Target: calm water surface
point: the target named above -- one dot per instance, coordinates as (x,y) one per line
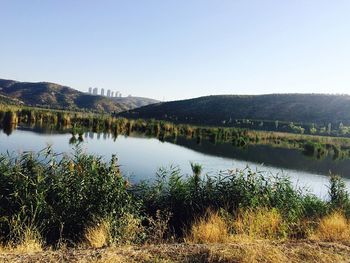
(140,157)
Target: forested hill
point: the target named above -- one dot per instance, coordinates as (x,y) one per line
(216,110)
(9,101)
(45,94)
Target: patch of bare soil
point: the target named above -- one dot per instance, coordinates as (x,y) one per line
(242,251)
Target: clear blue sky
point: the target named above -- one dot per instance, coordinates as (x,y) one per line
(173,49)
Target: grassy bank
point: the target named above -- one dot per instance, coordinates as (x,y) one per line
(79,122)
(50,202)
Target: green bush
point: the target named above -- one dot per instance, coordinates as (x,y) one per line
(60,195)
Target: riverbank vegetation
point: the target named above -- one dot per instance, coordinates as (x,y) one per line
(54,201)
(79,122)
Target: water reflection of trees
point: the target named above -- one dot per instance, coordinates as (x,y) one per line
(271,156)
(196,138)
(105,126)
(8,129)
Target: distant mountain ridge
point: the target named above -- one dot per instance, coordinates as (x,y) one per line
(46,94)
(218,109)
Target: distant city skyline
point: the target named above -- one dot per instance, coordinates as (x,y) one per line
(170,50)
(101,92)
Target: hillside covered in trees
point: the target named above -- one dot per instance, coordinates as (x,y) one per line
(51,95)
(225,109)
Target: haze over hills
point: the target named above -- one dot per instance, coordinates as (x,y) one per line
(215,110)
(45,94)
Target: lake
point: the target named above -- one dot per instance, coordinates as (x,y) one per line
(140,156)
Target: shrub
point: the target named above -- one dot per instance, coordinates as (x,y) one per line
(261,223)
(333,227)
(339,197)
(99,235)
(158,228)
(128,229)
(188,198)
(24,238)
(211,228)
(61,195)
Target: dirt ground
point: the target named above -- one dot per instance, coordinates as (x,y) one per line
(254,251)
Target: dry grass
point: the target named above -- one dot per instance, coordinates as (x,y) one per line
(257,239)
(254,224)
(210,229)
(98,236)
(130,229)
(260,223)
(28,246)
(334,227)
(29,243)
(273,251)
(158,229)
(250,251)
(254,251)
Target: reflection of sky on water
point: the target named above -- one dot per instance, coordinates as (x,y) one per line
(140,157)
